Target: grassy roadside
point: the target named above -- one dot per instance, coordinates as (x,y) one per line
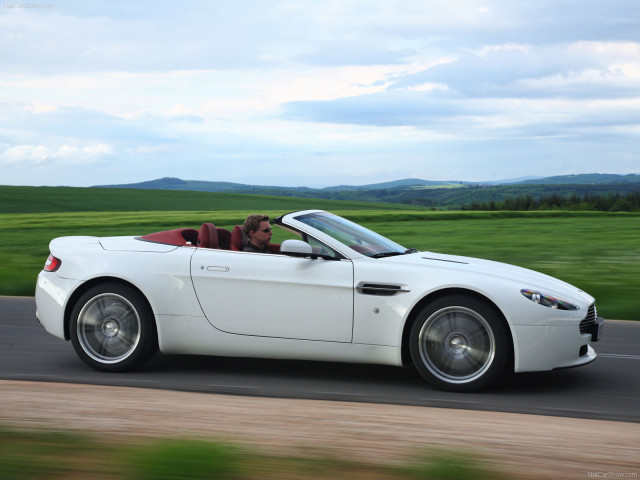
(26,455)
(598,252)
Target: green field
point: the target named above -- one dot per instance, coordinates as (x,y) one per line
(69,199)
(598,252)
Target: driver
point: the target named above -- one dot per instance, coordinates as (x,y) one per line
(259,232)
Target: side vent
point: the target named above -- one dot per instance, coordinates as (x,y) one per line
(380,289)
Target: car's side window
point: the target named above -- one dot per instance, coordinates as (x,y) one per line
(321,248)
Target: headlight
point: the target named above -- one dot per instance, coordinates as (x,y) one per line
(548,300)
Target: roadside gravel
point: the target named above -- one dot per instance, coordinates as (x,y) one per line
(527,445)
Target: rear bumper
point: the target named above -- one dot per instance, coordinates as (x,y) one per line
(52,294)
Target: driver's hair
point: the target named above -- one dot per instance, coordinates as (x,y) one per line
(252,223)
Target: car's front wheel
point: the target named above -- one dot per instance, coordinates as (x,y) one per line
(112,328)
(460,343)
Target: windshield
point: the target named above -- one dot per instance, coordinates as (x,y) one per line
(358,238)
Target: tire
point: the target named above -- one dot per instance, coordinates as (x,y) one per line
(460,343)
(113,329)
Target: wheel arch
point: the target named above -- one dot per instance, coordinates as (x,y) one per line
(90,284)
(413,315)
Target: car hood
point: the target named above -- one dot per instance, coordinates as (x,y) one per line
(526,278)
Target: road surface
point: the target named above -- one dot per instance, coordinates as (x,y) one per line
(608,389)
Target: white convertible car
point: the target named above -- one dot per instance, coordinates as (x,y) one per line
(340,293)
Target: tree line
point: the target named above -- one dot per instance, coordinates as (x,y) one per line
(613,202)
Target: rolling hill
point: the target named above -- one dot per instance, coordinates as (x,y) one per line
(413,191)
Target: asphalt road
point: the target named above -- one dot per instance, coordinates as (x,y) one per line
(608,388)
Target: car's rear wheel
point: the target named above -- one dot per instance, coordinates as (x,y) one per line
(460,343)
(112,328)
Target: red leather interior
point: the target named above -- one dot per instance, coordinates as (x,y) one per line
(208,236)
(178,236)
(224,238)
(238,238)
(274,247)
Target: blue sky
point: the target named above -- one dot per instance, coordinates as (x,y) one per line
(311,93)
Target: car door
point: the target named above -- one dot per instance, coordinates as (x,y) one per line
(275,295)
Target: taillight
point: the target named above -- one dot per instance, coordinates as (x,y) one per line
(52,264)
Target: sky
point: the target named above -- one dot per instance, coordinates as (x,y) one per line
(317,93)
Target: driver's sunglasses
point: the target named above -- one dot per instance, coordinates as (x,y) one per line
(266,230)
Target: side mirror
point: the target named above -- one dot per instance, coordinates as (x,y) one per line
(296,248)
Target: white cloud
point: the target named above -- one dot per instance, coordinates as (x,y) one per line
(35,155)
(523,70)
(41,108)
(24,153)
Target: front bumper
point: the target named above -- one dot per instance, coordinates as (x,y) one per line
(593,328)
(547,347)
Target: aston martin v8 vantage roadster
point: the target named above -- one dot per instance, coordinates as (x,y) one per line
(338,292)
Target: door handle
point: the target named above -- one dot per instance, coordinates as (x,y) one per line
(215,268)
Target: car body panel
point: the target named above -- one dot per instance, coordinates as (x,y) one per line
(163,276)
(267,284)
(194,335)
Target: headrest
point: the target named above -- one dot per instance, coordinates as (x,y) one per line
(238,238)
(208,236)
